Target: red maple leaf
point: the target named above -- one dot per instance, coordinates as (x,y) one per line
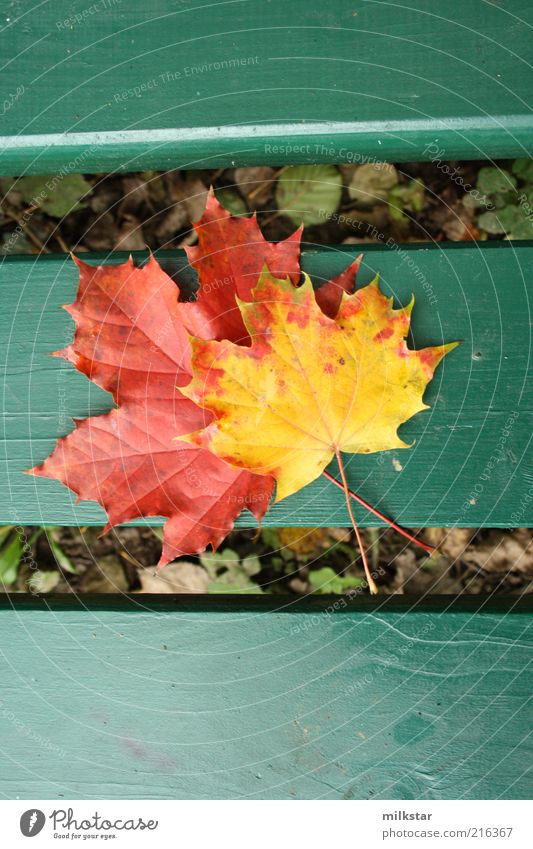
(131,341)
(229,257)
(329,295)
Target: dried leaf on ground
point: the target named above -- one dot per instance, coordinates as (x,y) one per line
(192,193)
(172,222)
(107,576)
(102,234)
(450,541)
(178,577)
(370,183)
(456,221)
(502,553)
(308,194)
(136,195)
(305,541)
(256,184)
(420,576)
(130,237)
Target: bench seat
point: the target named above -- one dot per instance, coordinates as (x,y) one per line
(161,697)
(202,84)
(471,464)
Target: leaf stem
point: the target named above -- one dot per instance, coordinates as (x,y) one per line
(429,548)
(371,585)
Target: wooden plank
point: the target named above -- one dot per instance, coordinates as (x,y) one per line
(471,464)
(178,698)
(200,83)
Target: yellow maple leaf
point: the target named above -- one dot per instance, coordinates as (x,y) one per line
(309,387)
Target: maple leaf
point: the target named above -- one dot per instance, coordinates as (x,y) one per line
(130,340)
(329,295)
(228,258)
(309,387)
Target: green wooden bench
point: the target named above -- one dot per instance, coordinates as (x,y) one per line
(176,697)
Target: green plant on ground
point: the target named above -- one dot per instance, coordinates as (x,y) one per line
(229,574)
(232,201)
(17,550)
(406,197)
(55,195)
(509,194)
(325,580)
(14,550)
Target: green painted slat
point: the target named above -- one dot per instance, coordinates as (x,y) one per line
(199,83)
(472,461)
(172,698)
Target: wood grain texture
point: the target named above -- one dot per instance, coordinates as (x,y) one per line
(472,461)
(197,83)
(163,699)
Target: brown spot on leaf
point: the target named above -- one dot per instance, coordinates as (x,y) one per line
(386,333)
